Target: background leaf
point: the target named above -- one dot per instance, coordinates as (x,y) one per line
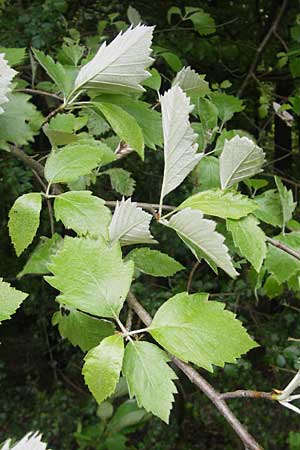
(10,300)
(153,262)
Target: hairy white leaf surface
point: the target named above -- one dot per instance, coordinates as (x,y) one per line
(130,224)
(179,139)
(120,66)
(190,81)
(200,236)
(241,158)
(6,76)
(29,442)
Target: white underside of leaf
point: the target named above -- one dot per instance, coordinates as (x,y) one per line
(188,79)
(192,227)
(130,224)
(241,158)
(120,66)
(28,442)
(6,76)
(179,139)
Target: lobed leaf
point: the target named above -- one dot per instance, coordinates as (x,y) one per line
(215,202)
(200,331)
(149,378)
(102,367)
(85,271)
(10,300)
(83,212)
(81,329)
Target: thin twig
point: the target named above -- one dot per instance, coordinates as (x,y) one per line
(39,92)
(249,442)
(284,247)
(241,393)
(52,114)
(262,47)
(191,276)
(146,206)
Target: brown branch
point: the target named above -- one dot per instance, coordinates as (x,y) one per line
(147,206)
(241,393)
(197,379)
(27,160)
(262,47)
(39,92)
(284,247)
(191,276)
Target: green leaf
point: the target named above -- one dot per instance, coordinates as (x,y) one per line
(226,135)
(102,367)
(63,78)
(81,329)
(128,414)
(241,158)
(83,212)
(279,263)
(85,271)
(200,331)
(60,130)
(133,16)
(10,300)
(24,219)
(286,199)
(39,259)
(172,60)
(250,239)
(121,181)
(208,115)
(124,125)
(14,56)
(227,105)
(174,10)
(215,202)
(206,174)
(20,120)
(201,238)
(256,183)
(154,82)
(148,119)
(71,162)
(154,262)
(203,22)
(149,378)
(269,208)
(272,288)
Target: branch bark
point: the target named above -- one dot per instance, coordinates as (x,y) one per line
(197,379)
(262,47)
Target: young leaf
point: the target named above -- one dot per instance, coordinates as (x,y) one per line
(81,329)
(286,199)
(269,208)
(85,271)
(191,82)
(197,330)
(71,162)
(64,79)
(148,119)
(279,263)
(83,212)
(10,300)
(149,378)
(200,236)
(102,367)
(124,125)
(24,219)
(121,66)
(241,158)
(154,262)
(215,202)
(39,259)
(227,105)
(121,181)
(6,76)
(250,239)
(130,224)
(179,139)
